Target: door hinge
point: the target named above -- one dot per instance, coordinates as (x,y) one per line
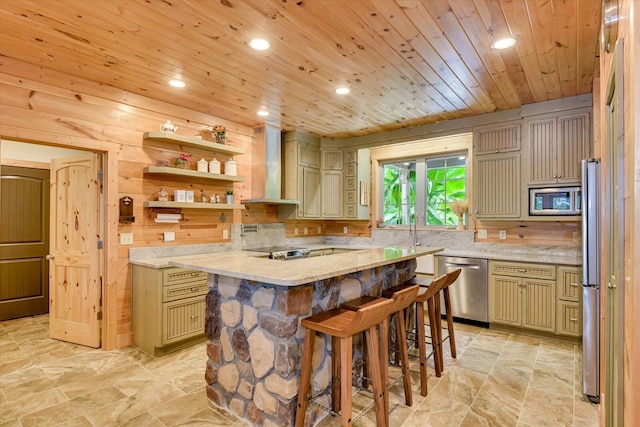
(100,244)
(99,315)
(100,175)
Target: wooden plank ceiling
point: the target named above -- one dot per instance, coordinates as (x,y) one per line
(407,62)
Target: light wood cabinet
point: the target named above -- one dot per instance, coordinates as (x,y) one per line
(557,144)
(569,290)
(536,296)
(332,181)
(496,182)
(522,295)
(302,166)
(168,308)
(496,186)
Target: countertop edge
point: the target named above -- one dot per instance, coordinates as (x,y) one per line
(298,281)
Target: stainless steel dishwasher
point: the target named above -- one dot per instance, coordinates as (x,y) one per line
(470,293)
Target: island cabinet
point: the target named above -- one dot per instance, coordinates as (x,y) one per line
(168,308)
(556,145)
(569,291)
(497,189)
(522,295)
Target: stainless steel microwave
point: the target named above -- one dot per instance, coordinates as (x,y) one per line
(555,201)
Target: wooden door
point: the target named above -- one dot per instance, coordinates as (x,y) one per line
(24,242)
(74,281)
(614,225)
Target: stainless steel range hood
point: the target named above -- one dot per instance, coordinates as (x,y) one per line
(267,167)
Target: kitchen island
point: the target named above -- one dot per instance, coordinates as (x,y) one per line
(253,312)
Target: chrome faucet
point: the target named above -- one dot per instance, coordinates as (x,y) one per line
(413,231)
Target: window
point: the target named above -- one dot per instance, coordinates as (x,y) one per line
(424,188)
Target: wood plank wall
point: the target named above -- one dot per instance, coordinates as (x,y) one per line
(531,232)
(42,106)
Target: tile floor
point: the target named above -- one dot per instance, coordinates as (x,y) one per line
(498,379)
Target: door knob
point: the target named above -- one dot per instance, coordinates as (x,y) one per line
(50,257)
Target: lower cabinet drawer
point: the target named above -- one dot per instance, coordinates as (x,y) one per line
(186,290)
(182,319)
(520,269)
(569,318)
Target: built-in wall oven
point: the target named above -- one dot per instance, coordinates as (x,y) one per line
(555,201)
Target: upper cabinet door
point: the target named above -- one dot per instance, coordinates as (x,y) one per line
(557,143)
(542,149)
(497,191)
(496,139)
(574,137)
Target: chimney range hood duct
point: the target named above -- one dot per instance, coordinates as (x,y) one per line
(267,167)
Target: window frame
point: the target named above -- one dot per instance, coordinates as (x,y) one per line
(444,146)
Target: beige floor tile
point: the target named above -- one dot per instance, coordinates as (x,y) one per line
(557,409)
(81,405)
(32,403)
(497,379)
(478,359)
(190,409)
(149,395)
(555,376)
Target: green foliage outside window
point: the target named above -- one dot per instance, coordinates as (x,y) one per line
(445,182)
(395,186)
(444,185)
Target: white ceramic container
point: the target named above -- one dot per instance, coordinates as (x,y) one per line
(230,168)
(214,166)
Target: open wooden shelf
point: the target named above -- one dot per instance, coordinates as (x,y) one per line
(189,141)
(182,205)
(161,170)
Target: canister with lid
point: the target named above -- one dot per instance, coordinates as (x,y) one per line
(202,165)
(214,166)
(230,167)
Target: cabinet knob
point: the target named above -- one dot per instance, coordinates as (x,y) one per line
(497,151)
(50,257)
(559,176)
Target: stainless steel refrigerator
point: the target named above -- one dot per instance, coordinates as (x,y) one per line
(591,279)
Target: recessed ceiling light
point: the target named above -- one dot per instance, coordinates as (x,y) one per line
(504,43)
(177,83)
(263,113)
(259,44)
(342,90)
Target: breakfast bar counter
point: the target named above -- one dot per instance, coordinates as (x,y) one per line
(253,311)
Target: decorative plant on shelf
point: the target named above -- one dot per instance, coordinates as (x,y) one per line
(459,207)
(183,160)
(219,132)
(229,196)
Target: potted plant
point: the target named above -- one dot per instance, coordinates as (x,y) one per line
(183,161)
(229,196)
(219,132)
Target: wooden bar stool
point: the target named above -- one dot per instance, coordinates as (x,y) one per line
(451,278)
(402,297)
(426,295)
(342,325)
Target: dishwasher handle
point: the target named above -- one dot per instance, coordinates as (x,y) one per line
(455,264)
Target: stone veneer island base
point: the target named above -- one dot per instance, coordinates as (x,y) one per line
(255,338)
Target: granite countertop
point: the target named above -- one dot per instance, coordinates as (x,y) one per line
(294,272)
(513,256)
